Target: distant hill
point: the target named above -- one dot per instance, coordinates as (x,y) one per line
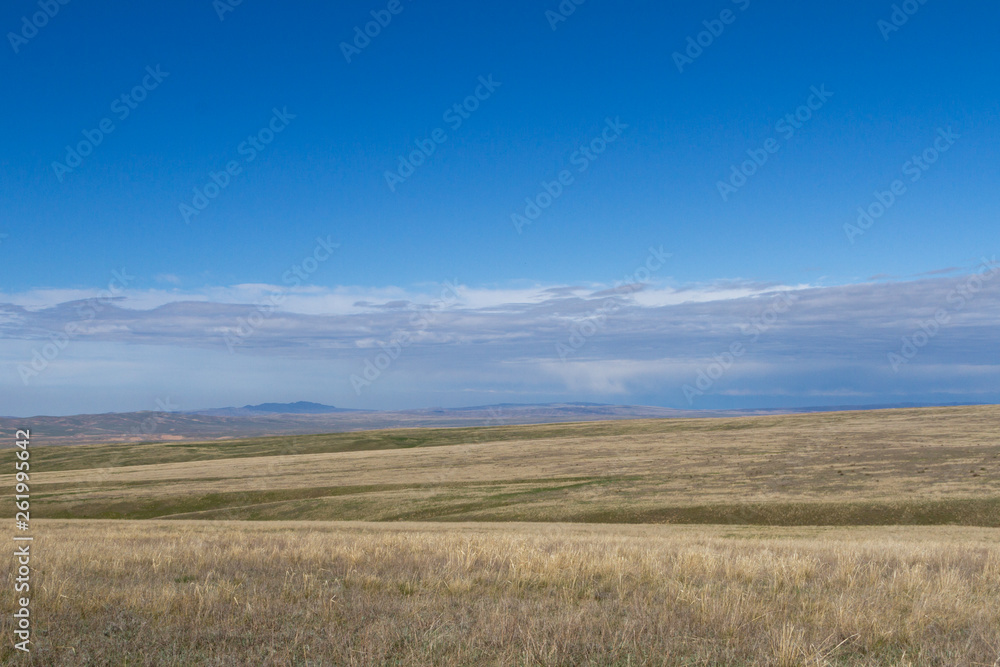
(297,408)
(304,418)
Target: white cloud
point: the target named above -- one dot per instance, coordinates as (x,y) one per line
(829,342)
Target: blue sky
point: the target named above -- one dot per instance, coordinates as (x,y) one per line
(641,137)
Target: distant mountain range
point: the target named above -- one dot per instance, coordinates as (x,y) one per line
(297,408)
(302,418)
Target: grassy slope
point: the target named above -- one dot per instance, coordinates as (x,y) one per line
(921,466)
(81,457)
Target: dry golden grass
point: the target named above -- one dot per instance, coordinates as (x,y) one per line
(923,466)
(298,593)
(602,590)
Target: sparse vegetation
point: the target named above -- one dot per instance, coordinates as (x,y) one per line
(532,548)
(934,466)
(298,593)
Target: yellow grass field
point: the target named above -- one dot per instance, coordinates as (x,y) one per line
(925,466)
(861,538)
(325,593)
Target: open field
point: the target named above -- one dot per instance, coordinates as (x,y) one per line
(856,538)
(298,593)
(918,466)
